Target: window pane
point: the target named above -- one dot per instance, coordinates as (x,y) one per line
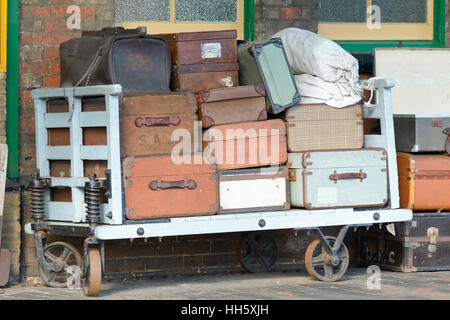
(142,10)
(342,10)
(411,11)
(206,10)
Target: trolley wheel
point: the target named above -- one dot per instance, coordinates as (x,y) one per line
(63,253)
(322,265)
(93,277)
(257,252)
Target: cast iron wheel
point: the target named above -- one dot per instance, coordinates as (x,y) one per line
(323,266)
(257,252)
(93,277)
(66,255)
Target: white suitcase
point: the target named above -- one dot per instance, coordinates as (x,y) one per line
(253,190)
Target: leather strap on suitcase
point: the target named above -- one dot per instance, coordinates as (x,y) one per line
(129,57)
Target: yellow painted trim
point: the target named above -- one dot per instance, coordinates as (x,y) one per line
(3,26)
(388,31)
(161,27)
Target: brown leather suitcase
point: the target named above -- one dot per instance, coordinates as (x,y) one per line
(156,187)
(147,122)
(131,58)
(424,181)
(202,47)
(246,144)
(231,105)
(206,76)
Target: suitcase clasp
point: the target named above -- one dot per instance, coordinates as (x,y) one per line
(432,234)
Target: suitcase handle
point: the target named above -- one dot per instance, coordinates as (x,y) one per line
(157,121)
(186,184)
(446,131)
(344,176)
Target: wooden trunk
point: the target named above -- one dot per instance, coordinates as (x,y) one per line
(202,47)
(422,244)
(157,187)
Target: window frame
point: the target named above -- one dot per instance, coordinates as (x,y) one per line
(438,41)
(244,25)
(3,33)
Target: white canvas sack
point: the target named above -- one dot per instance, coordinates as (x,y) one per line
(328,73)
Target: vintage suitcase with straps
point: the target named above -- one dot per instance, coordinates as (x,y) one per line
(131,58)
(339,178)
(147,123)
(203,60)
(424,181)
(231,105)
(206,76)
(422,244)
(266,62)
(321,127)
(246,144)
(156,187)
(253,190)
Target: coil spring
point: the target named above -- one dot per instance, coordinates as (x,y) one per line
(93,190)
(37,197)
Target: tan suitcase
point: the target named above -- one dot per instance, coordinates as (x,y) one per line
(232,105)
(424,181)
(321,127)
(147,123)
(246,144)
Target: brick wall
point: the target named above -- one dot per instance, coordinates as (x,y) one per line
(42,27)
(272,16)
(11,230)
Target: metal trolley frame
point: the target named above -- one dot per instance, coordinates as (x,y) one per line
(86,217)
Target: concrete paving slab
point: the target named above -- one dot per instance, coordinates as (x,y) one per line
(357,284)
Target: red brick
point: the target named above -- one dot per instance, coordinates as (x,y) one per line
(60,11)
(51,81)
(51,53)
(55,67)
(25,39)
(23,67)
(62,37)
(43,12)
(88,12)
(28,125)
(41,39)
(38,67)
(26,96)
(290,13)
(55,25)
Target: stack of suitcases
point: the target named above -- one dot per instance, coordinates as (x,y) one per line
(209,127)
(423,161)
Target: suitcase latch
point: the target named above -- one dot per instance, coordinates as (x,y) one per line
(432,234)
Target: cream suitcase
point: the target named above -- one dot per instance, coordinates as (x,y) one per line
(321,127)
(252,190)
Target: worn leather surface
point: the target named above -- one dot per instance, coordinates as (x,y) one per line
(140,63)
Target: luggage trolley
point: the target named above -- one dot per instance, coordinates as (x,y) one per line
(326,258)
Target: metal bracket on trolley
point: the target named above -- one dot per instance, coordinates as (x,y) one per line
(89,241)
(333,249)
